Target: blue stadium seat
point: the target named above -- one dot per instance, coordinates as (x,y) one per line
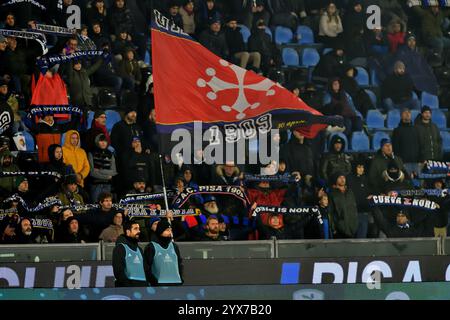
(90,117)
(360,142)
(372,96)
(393,119)
(414,96)
(305,35)
(326,50)
(29,141)
(428,99)
(376,139)
(310,57)
(374,80)
(414,114)
(375,119)
(63,138)
(362,76)
(382,50)
(245,32)
(445,141)
(283,35)
(269,32)
(340,134)
(112,117)
(439,119)
(290,57)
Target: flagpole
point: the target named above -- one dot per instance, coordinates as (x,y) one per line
(163,183)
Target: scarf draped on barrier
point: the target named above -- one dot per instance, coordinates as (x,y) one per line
(33,2)
(307,210)
(423,192)
(48,61)
(406,203)
(285,178)
(39,37)
(225,190)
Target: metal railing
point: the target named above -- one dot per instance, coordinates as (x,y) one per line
(237,249)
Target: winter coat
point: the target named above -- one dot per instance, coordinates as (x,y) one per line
(393,230)
(46,135)
(260,41)
(354,25)
(16,62)
(406,142)
(111,233)
(122,134)
(298,156)
(431,24)
(235,41)
(343,213)
(118,262)
(397,87)
(188,21)
(335,162)
(102,165)
(120,19)
(330,65)
(215,42)
(88,138)
(360,187)
(8,184)
(97,220)
(330,28)
(130,69)
(418,68)
(221,179)
(76,157)
(79,84)
(430,140)
(394,185)
(378,166)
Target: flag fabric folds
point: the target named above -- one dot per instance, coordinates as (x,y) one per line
(193,84)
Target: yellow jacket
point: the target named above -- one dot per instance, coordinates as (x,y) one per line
(76,156)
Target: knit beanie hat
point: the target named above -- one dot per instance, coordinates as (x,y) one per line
(163,224)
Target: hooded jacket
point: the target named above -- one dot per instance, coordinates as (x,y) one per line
(52,185)
(221,179)
(118,262)
(88,141)
(335,162)
(76,156)
(378,166)
(46,135)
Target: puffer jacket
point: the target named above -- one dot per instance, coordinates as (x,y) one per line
(335,162)
(76,156)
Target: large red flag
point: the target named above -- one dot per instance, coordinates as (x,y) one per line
(193,84)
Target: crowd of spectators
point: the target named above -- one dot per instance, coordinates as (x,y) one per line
(100,164)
